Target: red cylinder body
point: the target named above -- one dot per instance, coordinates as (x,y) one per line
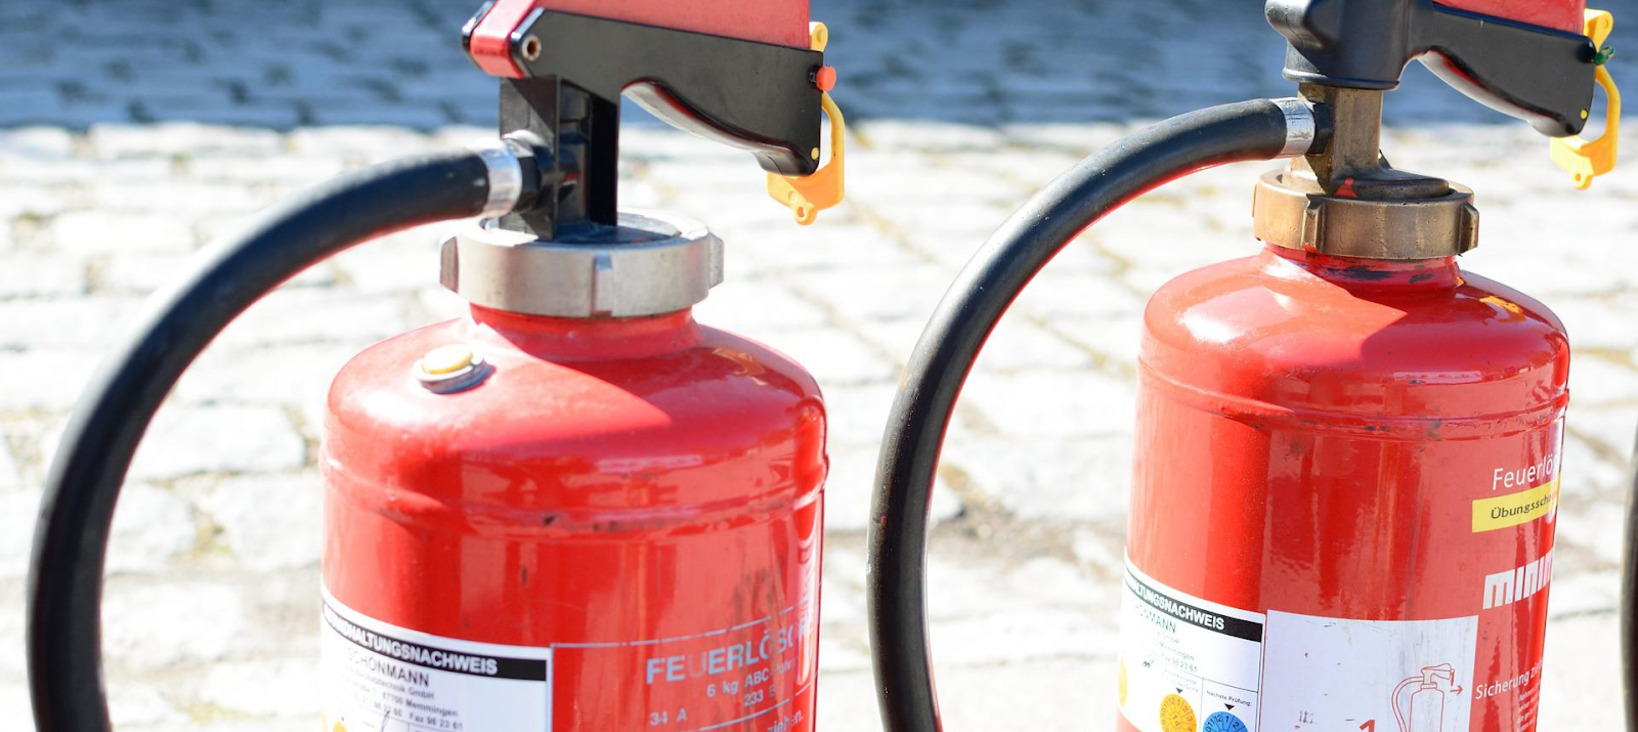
(1345,495)
(618,530)
(1564,15)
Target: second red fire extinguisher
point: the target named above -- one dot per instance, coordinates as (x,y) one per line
(1347,459)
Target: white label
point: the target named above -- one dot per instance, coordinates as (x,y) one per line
(1187,665)
(382,678)
(1371,675)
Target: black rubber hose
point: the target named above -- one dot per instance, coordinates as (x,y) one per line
(1254,130)
(1629,602)
(65,580)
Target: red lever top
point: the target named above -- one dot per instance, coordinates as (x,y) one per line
(777,22)
(1564,15)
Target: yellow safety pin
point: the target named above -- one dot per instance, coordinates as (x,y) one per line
(806,196)
(1588,159)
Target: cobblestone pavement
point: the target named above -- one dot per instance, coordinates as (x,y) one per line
(964,110)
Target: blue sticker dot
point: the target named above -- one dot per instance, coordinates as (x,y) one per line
(1224,722)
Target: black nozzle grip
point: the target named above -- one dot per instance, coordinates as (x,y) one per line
(1540,75)
(759,97)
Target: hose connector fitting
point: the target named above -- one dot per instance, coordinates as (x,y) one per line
(1301,127)
(506,183)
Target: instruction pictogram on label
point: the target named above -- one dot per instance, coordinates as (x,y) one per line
(1327,674)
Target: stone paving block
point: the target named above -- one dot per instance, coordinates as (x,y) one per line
(164,79)
(1047,696)
(1019,345)
(283,689)
(1049,479)
(1116,339)
(759,309)
(18,510)
(438,304)
(90,111)
(419,116)
(403,261)
(1071,140)
(150,626)
(186,440)
(283,170)
(835,357)
(1021,636)
(1066,296)
(1596,324)
(897,338)
(183,200)
(75,172)
(949,235)
(1594,525)
(152,526)
(857,414)
(294,315)
(1165,237)
(973,581)
(873,294)
(1596,473)
(33,275)
(919,189)
(60,377)
(1584,593)
(29,205)
(1052,403)
(1580,675)
(307,94)
(828,244)
(928,137)
(13,621)
(11,472)
(269,522)
(65,321)
(39,143)
(1590,473)
(357,145)
(1609,430)
(131,705)
(14,698)
(180,139)
(274,375)
(30,106)
(446,81)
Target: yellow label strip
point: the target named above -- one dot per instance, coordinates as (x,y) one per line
(1514,509)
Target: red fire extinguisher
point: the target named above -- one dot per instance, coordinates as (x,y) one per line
(1347,458)
(576,508)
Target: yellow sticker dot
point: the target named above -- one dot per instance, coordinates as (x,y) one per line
(1176,715)
(446,360)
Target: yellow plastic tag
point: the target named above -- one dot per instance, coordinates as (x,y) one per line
(1587,159)
(807,195)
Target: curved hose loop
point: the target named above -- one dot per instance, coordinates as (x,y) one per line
(1253,130)
(71,538)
